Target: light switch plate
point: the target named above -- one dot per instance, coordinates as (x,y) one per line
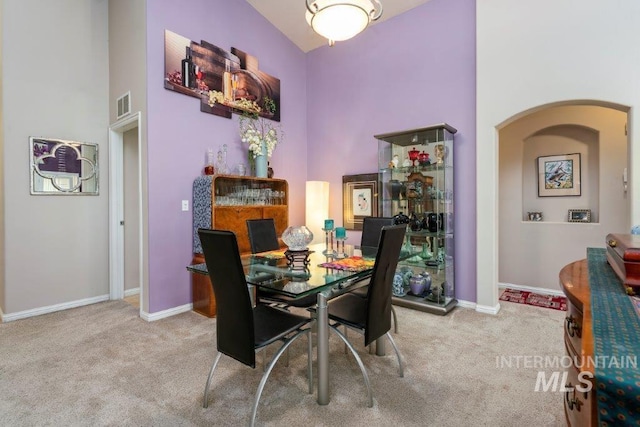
(185,205)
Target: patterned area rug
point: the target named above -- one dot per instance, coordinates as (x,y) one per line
(531,298)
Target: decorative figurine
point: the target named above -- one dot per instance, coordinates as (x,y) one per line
(394,162)
(440,154)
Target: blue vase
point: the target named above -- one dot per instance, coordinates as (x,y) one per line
(261,162)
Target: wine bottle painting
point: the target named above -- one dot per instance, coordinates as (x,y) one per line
(188,70)
(195,69)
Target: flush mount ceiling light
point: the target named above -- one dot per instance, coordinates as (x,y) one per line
(339,20)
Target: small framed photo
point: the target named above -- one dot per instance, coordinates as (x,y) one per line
(559,175)
(579,215)
(534,216)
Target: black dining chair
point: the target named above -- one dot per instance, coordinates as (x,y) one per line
(262,235)
(371,315)
(371,228)
(241,329)
(263,238)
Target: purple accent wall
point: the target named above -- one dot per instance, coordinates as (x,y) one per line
(413,70)
(179,134)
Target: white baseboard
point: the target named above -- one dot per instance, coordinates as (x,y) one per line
(544,291)
(479,308)
(150,317)
(466,304)
(52,308)
(133,291)
(487,309)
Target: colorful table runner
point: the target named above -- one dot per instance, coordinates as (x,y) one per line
(352,263)
(616,339)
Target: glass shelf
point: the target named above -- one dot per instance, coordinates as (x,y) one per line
(425,194)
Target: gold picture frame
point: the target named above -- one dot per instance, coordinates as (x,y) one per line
(559,175)
(359,199)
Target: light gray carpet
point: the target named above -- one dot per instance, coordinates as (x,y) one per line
(101,365)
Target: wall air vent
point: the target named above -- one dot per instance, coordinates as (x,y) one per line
(124,105)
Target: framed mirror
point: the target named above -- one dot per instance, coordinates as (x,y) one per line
(63,167)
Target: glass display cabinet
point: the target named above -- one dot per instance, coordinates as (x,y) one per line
(416,188)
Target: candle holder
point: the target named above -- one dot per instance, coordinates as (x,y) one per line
(328,224)
(340,247)
(328,241)
(341,236)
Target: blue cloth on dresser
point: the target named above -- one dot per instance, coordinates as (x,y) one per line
(616,339)
(201,208)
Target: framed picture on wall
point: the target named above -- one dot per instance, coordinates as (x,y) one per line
(559,175)
(359,199)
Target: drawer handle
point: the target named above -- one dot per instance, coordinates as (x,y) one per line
(573,328)
(612,243)
(572,402)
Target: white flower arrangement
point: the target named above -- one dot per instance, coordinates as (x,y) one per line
(254,129)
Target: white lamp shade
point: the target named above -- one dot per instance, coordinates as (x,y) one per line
(316,208)
(339,20)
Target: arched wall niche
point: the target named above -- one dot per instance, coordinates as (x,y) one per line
(559,140)
(530,253)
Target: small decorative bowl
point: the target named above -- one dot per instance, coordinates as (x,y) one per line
(297,238)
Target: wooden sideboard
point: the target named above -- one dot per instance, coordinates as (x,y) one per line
(233,200)
(579,407)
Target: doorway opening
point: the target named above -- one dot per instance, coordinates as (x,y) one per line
(125,211)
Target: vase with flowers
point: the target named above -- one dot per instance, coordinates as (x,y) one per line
(262,135)
(256,129)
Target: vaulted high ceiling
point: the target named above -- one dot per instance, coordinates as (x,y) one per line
(288,17)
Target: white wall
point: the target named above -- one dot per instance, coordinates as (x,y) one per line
(127,73)
(531,53)
(55,84)
(532,253)
(2,233)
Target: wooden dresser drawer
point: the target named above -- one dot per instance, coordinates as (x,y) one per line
(579,403)
(573,330)
(579,399)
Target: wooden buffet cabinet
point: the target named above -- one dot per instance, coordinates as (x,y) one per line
(226,204)
(579,407)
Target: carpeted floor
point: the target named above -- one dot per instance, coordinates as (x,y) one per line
(101,365)
(531,298)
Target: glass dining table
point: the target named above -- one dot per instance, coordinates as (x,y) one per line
(327,275)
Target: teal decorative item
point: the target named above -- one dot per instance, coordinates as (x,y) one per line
(261,162)
(426,252)
(407,274)
(635,229)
